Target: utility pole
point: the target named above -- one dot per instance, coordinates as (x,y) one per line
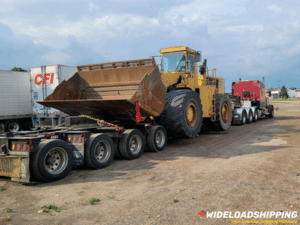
(278,84)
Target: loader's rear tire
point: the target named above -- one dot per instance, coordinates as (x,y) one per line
(52,161)
(250,118)
(157,138)
(223,113)
(271,114)
(100,151)
(132,144)
(182,115)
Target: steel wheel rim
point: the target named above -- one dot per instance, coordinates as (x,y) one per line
(256,116)
(160,139)
(135,144)
(102,151)
(13,127)
(191,114)
(225,112)
(56,160)
(250,117)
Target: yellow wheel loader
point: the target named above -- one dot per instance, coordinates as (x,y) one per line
(192,97)
(180,96)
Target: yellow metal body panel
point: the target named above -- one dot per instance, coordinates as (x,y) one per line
(206,96)
(10,166)
(221,85)
(176,49)
(200,80)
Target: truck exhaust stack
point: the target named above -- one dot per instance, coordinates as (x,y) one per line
(110,90)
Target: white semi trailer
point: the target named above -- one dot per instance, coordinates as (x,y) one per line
(15,101)
(20,92)
(44,79)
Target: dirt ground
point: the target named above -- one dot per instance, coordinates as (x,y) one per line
(255,167)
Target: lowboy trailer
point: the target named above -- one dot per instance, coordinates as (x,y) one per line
(50,154)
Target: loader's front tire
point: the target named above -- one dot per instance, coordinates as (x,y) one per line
(223,113)
(182,115)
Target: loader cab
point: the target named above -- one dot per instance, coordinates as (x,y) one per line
(179,66)
(179,59)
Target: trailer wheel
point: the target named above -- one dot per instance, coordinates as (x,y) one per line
(12,126)
(132,144)
(244,118)
(182,115)
(157,138)
(52,161)
(250,118)
(255,116)
(223,113)
(271,114)
(99,152)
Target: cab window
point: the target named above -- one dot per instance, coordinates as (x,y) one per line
(191,63)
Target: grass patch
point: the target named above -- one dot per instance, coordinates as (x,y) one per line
(51,207)
(7,218)
(9,210)
(175,200)
(2,189)
(92,201)
(110,168)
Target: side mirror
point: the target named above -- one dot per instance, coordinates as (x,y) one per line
(198,57)
(270,94)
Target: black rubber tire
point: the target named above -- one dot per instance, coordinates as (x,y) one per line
(255,116)
(12,123)
(244,117)
(271,114)
(37,161)
(117,152)
(250,118)
(29,125)
(124,144)
(220,124)
(173,118)
(152,136)
(90,158)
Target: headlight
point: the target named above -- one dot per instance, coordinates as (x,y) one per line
(236,116)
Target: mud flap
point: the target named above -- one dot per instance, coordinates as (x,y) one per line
(15,167)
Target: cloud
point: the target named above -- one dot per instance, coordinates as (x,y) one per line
(275,8)
(93,6)
(253,37)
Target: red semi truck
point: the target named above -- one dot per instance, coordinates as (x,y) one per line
(250,102)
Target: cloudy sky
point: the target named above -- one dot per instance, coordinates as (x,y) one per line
(241,38)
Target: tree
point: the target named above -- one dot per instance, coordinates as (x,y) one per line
(18,69)
(283,93)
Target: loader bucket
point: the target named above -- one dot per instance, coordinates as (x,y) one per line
(110,91)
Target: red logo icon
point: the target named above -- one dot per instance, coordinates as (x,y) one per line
(202,213)
(39,79)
